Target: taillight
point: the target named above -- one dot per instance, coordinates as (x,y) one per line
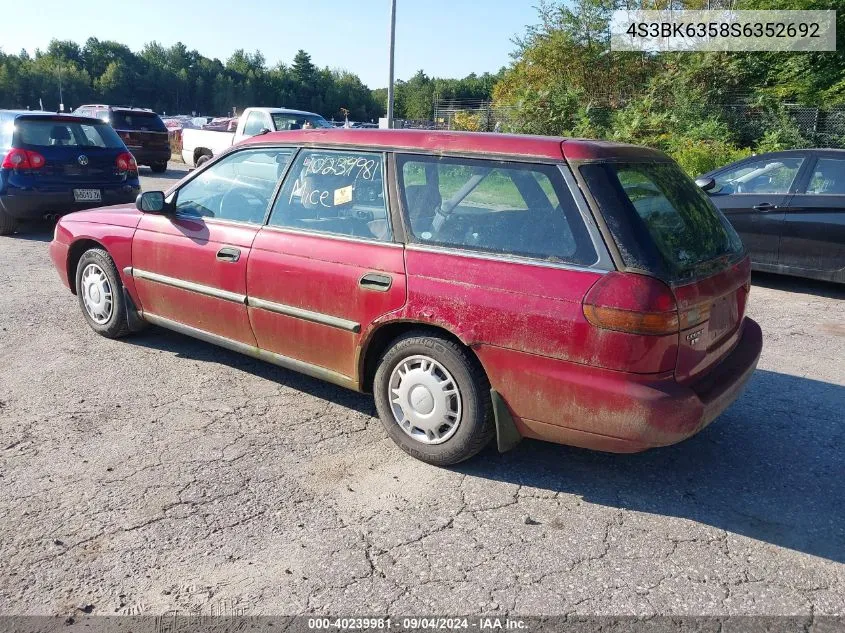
(126,162)
(631,303)
(23,159)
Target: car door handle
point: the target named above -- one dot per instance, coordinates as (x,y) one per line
(228,254)
(376,281)
(764,206)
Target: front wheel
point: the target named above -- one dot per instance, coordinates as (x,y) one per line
(433,399)
(100,294)
(159,168)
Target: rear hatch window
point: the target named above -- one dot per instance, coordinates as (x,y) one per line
(140,130)
(60,132)
(661,221)
(132,121)
(74,149)
(666,227)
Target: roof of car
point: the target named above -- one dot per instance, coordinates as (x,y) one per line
(45,114)
(283,111)
(550,147)
(113,107)
(20,112)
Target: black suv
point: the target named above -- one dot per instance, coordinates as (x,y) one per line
(142,131)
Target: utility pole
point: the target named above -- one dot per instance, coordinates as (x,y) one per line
(390,95)
(61,96)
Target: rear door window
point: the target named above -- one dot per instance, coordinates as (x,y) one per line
(338,192)
(133,121)
(660,220)
(64,133)
(497,207)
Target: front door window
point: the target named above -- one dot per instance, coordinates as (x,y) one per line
(237,188)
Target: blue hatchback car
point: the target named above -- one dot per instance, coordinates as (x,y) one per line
(52,164)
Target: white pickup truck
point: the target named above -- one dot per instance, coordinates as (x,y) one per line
(198,146)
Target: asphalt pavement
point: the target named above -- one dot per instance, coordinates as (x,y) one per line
(159,472)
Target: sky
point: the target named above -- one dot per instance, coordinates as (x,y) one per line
(444,38)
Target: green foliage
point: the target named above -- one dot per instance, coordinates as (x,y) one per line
(177,80)
(566,81)
(414,99)
(467,121)
(699,157)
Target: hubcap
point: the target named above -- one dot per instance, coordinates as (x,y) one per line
(425,400)
(96,294)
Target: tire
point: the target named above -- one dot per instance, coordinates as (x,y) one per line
(8,224)
(454,367)
(97,276)
(159,168)
(202,160)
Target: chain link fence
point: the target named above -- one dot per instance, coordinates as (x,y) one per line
(820,127)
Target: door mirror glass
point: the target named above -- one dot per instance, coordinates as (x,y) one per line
(150,202)
(706,184)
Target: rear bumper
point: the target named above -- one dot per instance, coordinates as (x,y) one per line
(33,204)
(150,156)
(720,387)
(618,412)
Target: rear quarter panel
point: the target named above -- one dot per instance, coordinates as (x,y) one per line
(526,324)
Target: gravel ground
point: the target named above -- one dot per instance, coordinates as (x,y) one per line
(160,473)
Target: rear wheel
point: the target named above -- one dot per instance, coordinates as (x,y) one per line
(159,168)
(202,160)
(433,399)
(7,224)
(100,294)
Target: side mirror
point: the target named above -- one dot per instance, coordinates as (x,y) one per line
(706,184)
(264,130)
(150,202)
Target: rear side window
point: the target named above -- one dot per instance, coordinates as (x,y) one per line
(496,207)
(660,220)
(63,133)
(137,121)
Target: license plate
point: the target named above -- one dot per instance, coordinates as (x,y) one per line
(87,195)
(723,315)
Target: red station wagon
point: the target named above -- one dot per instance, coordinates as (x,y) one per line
(480,285)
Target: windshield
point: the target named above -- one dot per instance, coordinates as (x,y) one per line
(661,221)
(64,133)
(287,121)
(135,121)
